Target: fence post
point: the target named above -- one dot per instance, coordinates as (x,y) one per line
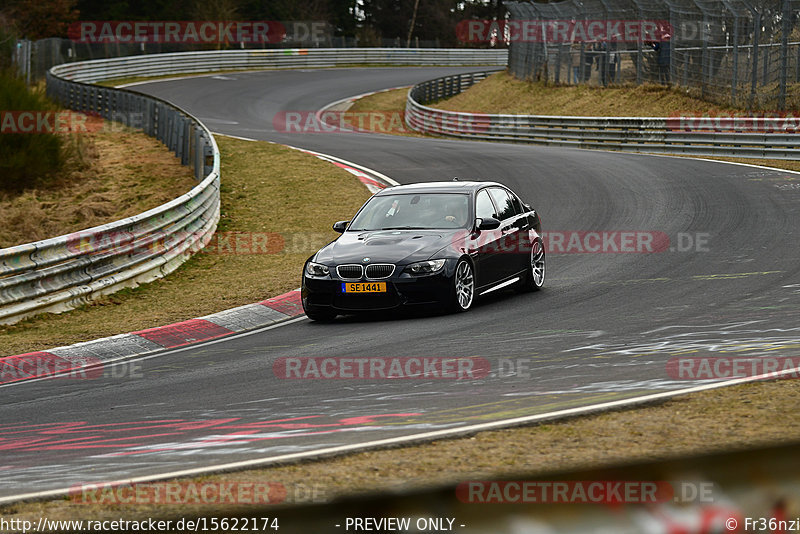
(639,59)
(557,76)
(797,66)
(735,73)
(705,69)
(785,29)
(673,40)
(754,77)
(22,57)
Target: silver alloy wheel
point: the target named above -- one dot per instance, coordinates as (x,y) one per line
(537,264)
(465,285)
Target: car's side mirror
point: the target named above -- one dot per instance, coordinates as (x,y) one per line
(487,223)
(340,226)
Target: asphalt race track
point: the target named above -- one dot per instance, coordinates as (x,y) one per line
(605,327)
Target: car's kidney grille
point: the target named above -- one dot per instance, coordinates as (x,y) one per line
(350,272)
(380,270)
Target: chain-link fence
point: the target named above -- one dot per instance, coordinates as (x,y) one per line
(742,53)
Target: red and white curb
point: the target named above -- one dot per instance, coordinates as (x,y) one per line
(65,360)
(372,180)
(69,359)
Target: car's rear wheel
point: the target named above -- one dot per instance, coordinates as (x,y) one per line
(463,292)
(534,278)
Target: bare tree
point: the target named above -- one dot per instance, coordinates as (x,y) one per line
(413,22)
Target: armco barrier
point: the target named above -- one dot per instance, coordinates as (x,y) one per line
(205,61)
(63,272)
(736,137)
(66,271)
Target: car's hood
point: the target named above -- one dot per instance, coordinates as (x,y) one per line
(385,246)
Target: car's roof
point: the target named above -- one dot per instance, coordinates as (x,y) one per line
(438,187)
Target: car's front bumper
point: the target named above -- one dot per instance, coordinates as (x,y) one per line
(325,294)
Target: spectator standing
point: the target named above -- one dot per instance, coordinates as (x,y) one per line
(663,53)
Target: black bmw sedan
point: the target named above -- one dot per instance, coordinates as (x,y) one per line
(438,243)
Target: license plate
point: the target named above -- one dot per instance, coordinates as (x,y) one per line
(364,287)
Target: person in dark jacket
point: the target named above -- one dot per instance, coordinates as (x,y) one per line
(663,52)
(588,59)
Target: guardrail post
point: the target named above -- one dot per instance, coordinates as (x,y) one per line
(176,132)
(208,159)
(198,154)
(161,124)
(182,141)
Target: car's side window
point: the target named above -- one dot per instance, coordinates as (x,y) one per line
(504,204)
(517,204)
(483,205)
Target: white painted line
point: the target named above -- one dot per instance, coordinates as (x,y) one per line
(172,79)
(326,107)
(322,155)
(689,157)
(468,429)
(237,137)
(351,100)
(367,170)
(425,436)
(743,164)
(157,353)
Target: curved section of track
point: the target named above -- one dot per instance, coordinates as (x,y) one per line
(604,328)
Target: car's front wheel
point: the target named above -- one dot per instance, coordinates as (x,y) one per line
(463,290)
(321,316)
(534,278)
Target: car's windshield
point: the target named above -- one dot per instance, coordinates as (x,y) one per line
(413,211)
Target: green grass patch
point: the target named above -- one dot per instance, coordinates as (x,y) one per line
(108,175)
(26,159)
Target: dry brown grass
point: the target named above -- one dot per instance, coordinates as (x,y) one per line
(266,191)
(502,93)
(112,175)
(775,163)
(393,100)
(746,416)
(737,418)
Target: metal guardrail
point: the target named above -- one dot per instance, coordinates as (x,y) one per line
(205,61)
(731,137)
(64,272)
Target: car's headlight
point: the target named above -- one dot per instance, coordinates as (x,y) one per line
(425,267)
(316,269)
